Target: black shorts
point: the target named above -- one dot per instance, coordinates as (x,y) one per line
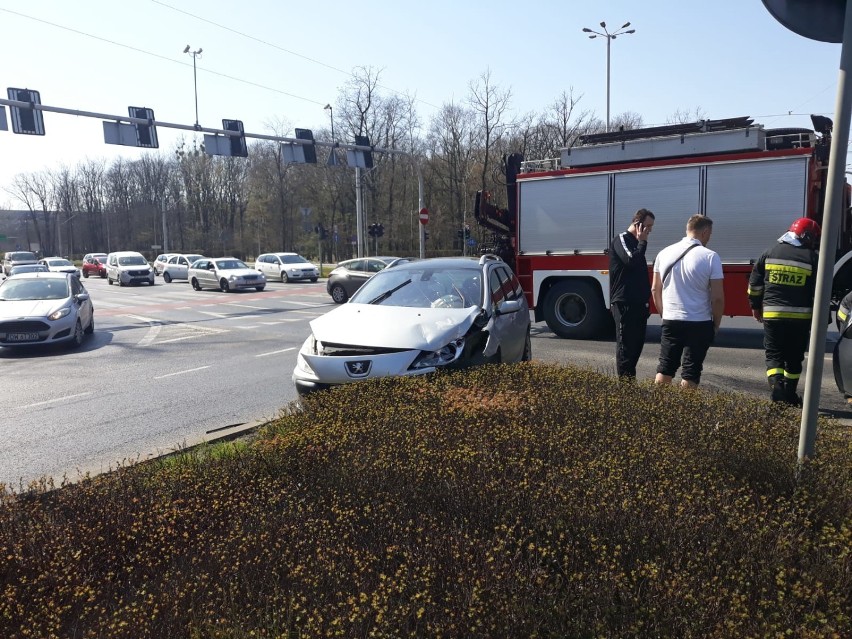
(684,343)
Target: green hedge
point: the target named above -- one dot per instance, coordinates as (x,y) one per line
(511,501)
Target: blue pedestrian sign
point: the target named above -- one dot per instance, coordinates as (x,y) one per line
(471,242)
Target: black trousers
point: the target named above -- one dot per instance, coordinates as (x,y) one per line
(684,343)
(785,343)
(631,320)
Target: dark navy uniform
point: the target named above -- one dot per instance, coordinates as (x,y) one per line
(782,286)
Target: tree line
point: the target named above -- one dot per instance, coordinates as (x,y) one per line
(193,202)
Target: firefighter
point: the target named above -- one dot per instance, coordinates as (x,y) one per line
(781,294)
(630,291)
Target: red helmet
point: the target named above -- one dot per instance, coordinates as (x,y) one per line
(806,229)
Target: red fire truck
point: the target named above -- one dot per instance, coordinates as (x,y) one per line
(562,213)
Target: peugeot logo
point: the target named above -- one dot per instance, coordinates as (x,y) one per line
(359,368)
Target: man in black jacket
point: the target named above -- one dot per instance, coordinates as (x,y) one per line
(781,294)
(630,291)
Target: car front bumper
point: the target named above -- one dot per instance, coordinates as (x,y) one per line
(27,331)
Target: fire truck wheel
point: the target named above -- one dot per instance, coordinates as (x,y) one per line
(575,310)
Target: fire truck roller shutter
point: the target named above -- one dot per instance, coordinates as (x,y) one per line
(575,309)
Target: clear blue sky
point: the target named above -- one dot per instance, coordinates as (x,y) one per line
(281,61)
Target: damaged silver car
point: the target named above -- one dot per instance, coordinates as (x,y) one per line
(417,317)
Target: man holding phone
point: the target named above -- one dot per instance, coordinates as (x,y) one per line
(630,291)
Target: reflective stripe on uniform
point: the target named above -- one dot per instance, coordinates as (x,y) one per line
(774,371)
(842,314)
(787,312)
(774,264)
(792,375)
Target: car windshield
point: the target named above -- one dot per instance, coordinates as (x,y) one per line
(132,260)
(22,255)
(34,289)
(293,259)
(423,287)
(229,265)
(194,258)
(60,263)
(28,268)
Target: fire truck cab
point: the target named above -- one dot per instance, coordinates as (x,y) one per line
(562,213)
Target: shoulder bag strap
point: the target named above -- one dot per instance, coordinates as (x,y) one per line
(680,257)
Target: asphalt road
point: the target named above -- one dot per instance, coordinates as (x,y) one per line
(167,365)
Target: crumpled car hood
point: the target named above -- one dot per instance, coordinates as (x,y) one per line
(393,326)
(11,309)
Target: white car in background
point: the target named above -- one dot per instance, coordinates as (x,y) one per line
(287,267)
(225,273)
(159,263)
(59,265)
(177,268)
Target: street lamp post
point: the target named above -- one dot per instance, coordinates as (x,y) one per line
(610,36)
(195,54)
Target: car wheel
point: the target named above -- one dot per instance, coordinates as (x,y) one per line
(167,278)
(91,327)
(223,285)
(260,289)
(86,274)
(284,277)
(195,284)
(527,355)
(313,279)
(77,338)
(109,280)
(338,294)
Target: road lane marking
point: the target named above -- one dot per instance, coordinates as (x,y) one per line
(154,328)
(284,350)
(191,370)
(58,399)
(256,308)
(212,314)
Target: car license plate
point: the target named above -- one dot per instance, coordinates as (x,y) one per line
(22,337)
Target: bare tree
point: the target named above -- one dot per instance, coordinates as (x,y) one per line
(35,190)
(489,103)
(685,116)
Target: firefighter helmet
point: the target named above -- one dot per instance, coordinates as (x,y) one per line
(807,230)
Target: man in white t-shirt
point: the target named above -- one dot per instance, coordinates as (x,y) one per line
(687,291)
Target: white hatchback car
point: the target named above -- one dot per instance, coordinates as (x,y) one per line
(417,317)
(44,308)
(287,267)
(177,268)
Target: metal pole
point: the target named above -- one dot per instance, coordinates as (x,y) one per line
(422,230)
(195,85)
(359,213)
(608,41)
(830,224)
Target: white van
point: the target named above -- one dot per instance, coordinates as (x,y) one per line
(128,267)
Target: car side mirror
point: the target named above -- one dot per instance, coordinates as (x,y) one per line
(508,306)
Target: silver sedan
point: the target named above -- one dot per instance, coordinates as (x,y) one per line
(226,274)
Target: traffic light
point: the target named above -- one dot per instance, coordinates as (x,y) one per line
(363,140)
(425,235)
(460,233)
(380,229)
(309,150)
(321,231)
(236,144)
(24,120)
(466,231)
(371,230)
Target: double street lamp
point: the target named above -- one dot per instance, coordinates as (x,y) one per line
(195,54)
(610,36)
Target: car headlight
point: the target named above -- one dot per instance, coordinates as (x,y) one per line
(303,367)
(443,356)
(233,278)
(62,312)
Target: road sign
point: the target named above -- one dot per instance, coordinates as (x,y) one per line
(471,242)
(24,120)
(424,216)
